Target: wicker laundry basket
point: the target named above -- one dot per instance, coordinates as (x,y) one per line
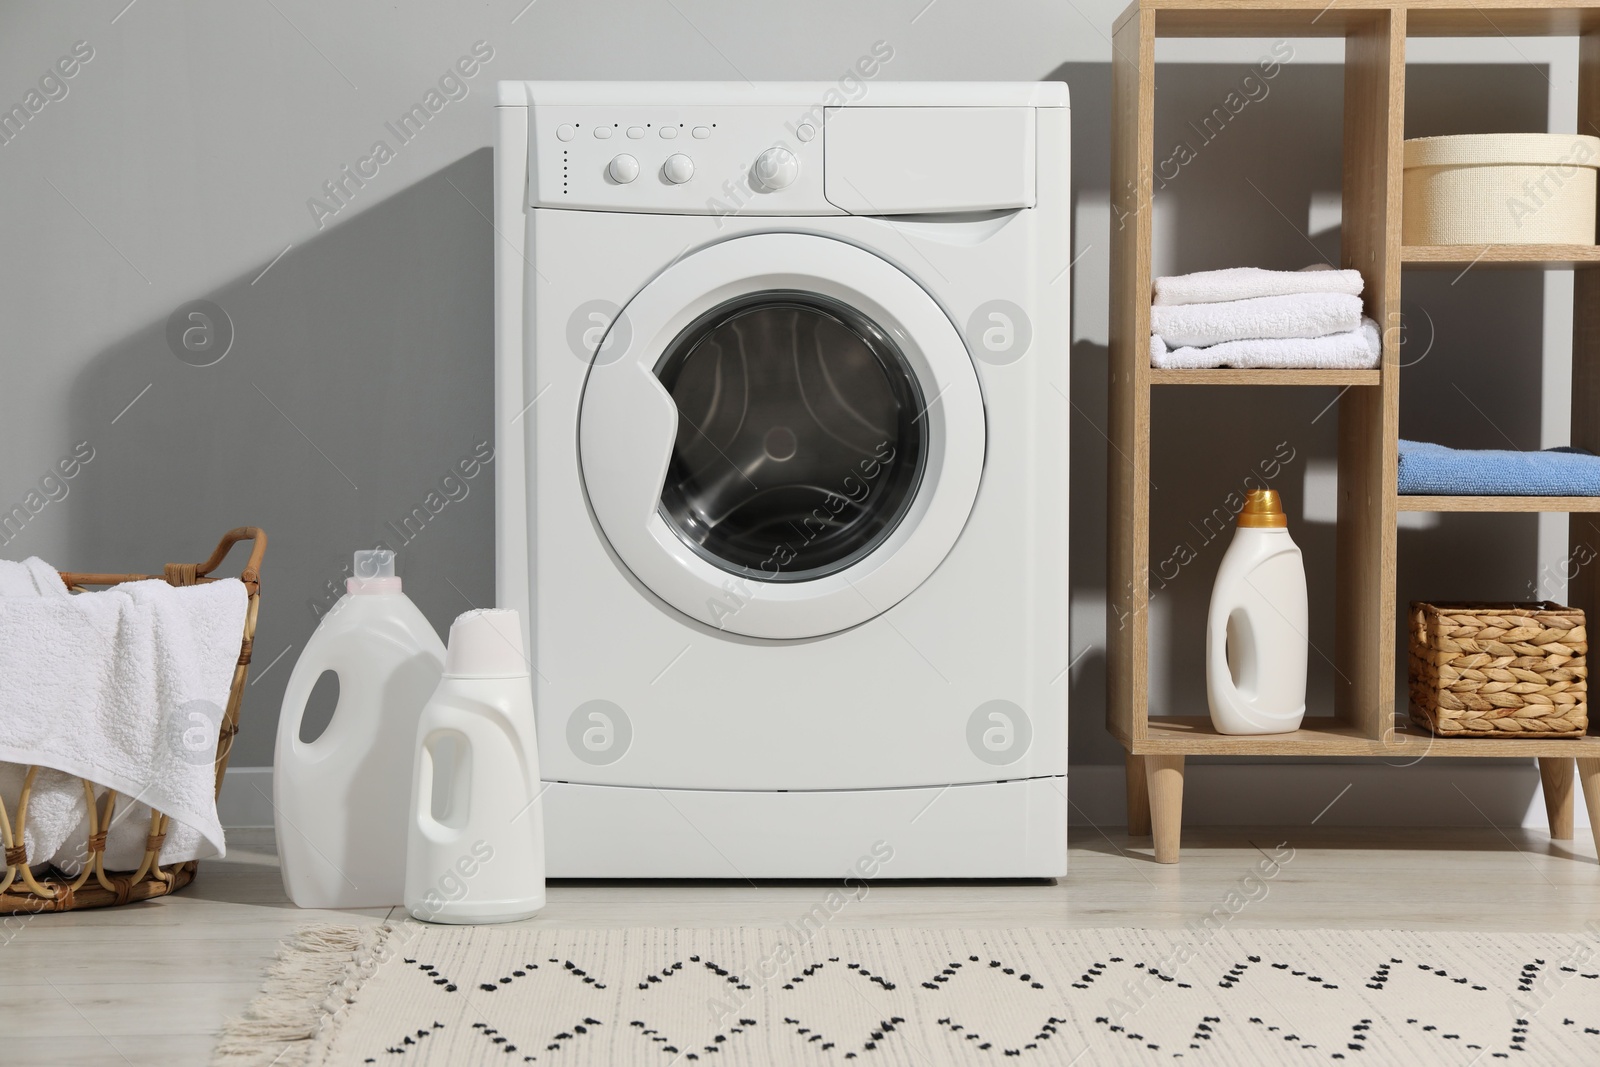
(94,886)
(1502,188)
(1499,670)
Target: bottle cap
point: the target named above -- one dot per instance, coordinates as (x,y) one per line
(486,643)
(373,572)
(1262,510)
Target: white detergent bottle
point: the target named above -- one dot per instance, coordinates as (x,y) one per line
(1256,633)
(476,852)
(341,799)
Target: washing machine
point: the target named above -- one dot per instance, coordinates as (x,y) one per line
(782,419)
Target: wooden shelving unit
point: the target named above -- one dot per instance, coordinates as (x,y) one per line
(1532,257)
(1228,376)
(1365,722)
(1504,504)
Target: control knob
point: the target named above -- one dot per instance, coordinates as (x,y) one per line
(623,169)
(775,169)
(678,168)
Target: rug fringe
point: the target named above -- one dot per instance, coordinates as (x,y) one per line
(306,993)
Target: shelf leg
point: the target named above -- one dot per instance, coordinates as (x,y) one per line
(1589,773)
(1165,774)
(1556,774)
(1138,798)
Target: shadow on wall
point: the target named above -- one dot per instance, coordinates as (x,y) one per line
(1086,709)
(1261,188)
(358,381)
(1089,85)
(1473,359)
(1260,185)
(360,376)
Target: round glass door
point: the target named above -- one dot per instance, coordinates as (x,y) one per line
(789,439)
(800,440)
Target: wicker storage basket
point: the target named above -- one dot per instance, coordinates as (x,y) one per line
(1504,188)
(94,886)
(1499,670)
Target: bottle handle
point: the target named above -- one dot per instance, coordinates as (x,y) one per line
(308,670)
(1222,683)
(426,778)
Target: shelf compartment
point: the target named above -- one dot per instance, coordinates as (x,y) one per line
(1431,18)
(1413,745)
(1232,376)
(1316,18)
(1504,504)
(1500,257)
(1258,18)
(1194,736)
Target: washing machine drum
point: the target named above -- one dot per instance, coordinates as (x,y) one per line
(781,436)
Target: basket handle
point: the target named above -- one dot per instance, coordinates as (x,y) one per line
(251,575)
(252,567)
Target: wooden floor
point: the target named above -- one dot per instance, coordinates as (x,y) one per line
(152,982)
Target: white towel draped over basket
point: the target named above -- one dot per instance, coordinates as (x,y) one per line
(126,688)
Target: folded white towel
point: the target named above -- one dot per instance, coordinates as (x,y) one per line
(1354,350)
(125,687)
(1247,283)
(1300,315)
(32,577)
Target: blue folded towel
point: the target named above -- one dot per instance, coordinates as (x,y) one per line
(1434,470)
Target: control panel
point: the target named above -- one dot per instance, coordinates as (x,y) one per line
(701,160)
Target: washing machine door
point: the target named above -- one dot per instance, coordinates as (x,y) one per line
(782,435)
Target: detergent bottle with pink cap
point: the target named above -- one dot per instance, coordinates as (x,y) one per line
(341,800)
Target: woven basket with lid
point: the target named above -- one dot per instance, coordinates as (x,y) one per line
(1499,670)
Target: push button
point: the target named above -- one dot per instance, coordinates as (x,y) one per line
(702,132)
(602,132)
(668,132)
(806,131)
(635,132)
(565,131)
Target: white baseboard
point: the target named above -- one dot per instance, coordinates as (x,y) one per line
(246,797)
(1476,793)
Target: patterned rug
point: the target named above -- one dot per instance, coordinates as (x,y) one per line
(412,995)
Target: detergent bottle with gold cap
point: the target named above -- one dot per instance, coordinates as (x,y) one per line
(1256,631)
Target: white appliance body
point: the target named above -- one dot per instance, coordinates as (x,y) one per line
(782,416)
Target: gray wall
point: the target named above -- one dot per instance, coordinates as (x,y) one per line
(179,164)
